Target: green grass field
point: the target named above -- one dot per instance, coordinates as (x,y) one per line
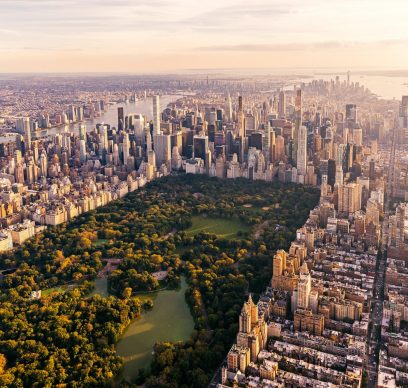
(100,242)
(49,291)
(222,227)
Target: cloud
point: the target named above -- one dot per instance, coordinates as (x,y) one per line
(60,49)
(324,45)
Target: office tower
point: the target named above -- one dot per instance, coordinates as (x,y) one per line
(156,114)
(250,123)
(331,172)
(282,104)
(121,118)
(162,148)
(351,115)
(304,287)
(256,140)
(200,146)
(211,117)
(302,150)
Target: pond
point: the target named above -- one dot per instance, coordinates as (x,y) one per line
(169,320)
(101,287)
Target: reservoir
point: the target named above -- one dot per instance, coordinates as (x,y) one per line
(169,320)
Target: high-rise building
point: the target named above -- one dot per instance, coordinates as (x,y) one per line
(82,132)
(279,149)
(27,133)
(126,148)
(351,115)
(304,287)
(162,148)
(241,118)
(72,113)
(156,114)
(349,198)
(228,108)
(121,118)
(358,137)
(82,151)
(302,151)
(200,146)
(298,124)
(282,104)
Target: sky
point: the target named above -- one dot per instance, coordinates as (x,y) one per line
(147,36)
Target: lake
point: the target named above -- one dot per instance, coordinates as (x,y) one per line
(169,320)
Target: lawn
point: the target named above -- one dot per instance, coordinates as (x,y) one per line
(222,227)
(58,289)
(100,242)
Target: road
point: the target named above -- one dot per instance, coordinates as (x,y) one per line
(376,311)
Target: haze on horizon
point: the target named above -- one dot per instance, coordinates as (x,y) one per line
(170,35)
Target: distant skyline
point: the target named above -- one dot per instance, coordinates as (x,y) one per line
(171,35)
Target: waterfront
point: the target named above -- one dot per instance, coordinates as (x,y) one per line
(110,116)
(169,320)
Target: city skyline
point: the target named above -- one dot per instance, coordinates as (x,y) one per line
(165,36)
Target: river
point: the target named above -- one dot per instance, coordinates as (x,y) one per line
(169,320)
(110,116)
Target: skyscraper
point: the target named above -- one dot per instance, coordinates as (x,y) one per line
(82,132)
(156,114)
(302,150)
(298,124)
(200,146)
(228,108)
(282,104)
(349,198)
(351,115)
(27,133)
(304,287)
(241,123)
(121,118)
(126,147)
(162,148)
